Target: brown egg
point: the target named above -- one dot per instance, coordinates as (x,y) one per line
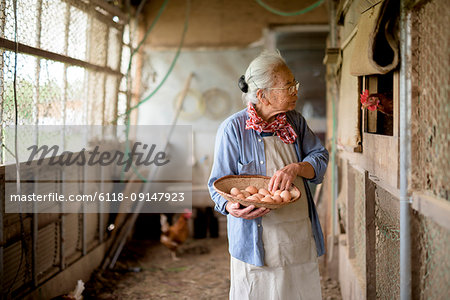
(259,196)
(267,198)
(252,198)
(277,192)
(293,193)
(251,189)
(277,199)
(263,192)
(240,196)
(286,196)
(235,191)
(245,193)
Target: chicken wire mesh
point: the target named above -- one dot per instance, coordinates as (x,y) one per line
(109,113)
(360,224)
(99,38)
(77,35)
(53,31)
(66,66)
(26,97)
(430,128)
(430,244)
(27,23)
(76,106)
(52,89)
(430,144)
(114,48)
(52,92)
(387,246)
(95,91)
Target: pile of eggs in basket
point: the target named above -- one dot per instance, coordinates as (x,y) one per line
(251,193)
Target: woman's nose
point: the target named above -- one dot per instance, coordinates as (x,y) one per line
(294,93)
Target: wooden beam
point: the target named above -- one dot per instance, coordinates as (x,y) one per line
(372,115)
(114,11)
(351,211)
(432,207)
(380,157)
(371,277)
(10,45)
(90,10)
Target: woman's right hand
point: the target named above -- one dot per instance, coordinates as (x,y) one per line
(248,212)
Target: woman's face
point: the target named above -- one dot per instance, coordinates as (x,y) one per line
(281,99)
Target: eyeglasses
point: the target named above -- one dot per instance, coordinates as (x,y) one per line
(291,89)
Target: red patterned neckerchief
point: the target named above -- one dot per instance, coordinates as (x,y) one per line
(280,126)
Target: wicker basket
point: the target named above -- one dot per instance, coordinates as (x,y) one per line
(224,184)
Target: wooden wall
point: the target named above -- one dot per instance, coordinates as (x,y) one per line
(223,23)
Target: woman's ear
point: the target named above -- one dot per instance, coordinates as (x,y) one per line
(260,94)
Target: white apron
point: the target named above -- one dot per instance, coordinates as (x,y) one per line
(291,270)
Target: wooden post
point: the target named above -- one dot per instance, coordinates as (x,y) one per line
(351,211)
(372,115)
(371,286)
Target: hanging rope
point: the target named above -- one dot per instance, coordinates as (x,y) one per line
(160,11)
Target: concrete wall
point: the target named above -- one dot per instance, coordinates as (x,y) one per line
(213,71)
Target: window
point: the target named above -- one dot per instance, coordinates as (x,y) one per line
(378,103)
(68,65)
(379,127)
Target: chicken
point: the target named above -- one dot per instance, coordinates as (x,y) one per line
(75,294)
(377,101)
(173,236)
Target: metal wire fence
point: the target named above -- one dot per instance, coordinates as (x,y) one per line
(387,246)
(66,58)
(431,275)
(67,66)
(430,130)
(430,108)
(431,160)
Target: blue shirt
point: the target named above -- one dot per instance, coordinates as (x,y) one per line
(238,152)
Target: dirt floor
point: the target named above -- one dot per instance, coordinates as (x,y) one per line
(145,270)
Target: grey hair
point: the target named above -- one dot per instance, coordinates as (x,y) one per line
(259,73)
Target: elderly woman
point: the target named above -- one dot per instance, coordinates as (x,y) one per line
(273,253)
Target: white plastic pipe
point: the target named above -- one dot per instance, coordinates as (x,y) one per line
(405,151)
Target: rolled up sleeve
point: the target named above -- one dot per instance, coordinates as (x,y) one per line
(314,153)
(226,156)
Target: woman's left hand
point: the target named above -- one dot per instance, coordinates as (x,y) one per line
(283,178)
